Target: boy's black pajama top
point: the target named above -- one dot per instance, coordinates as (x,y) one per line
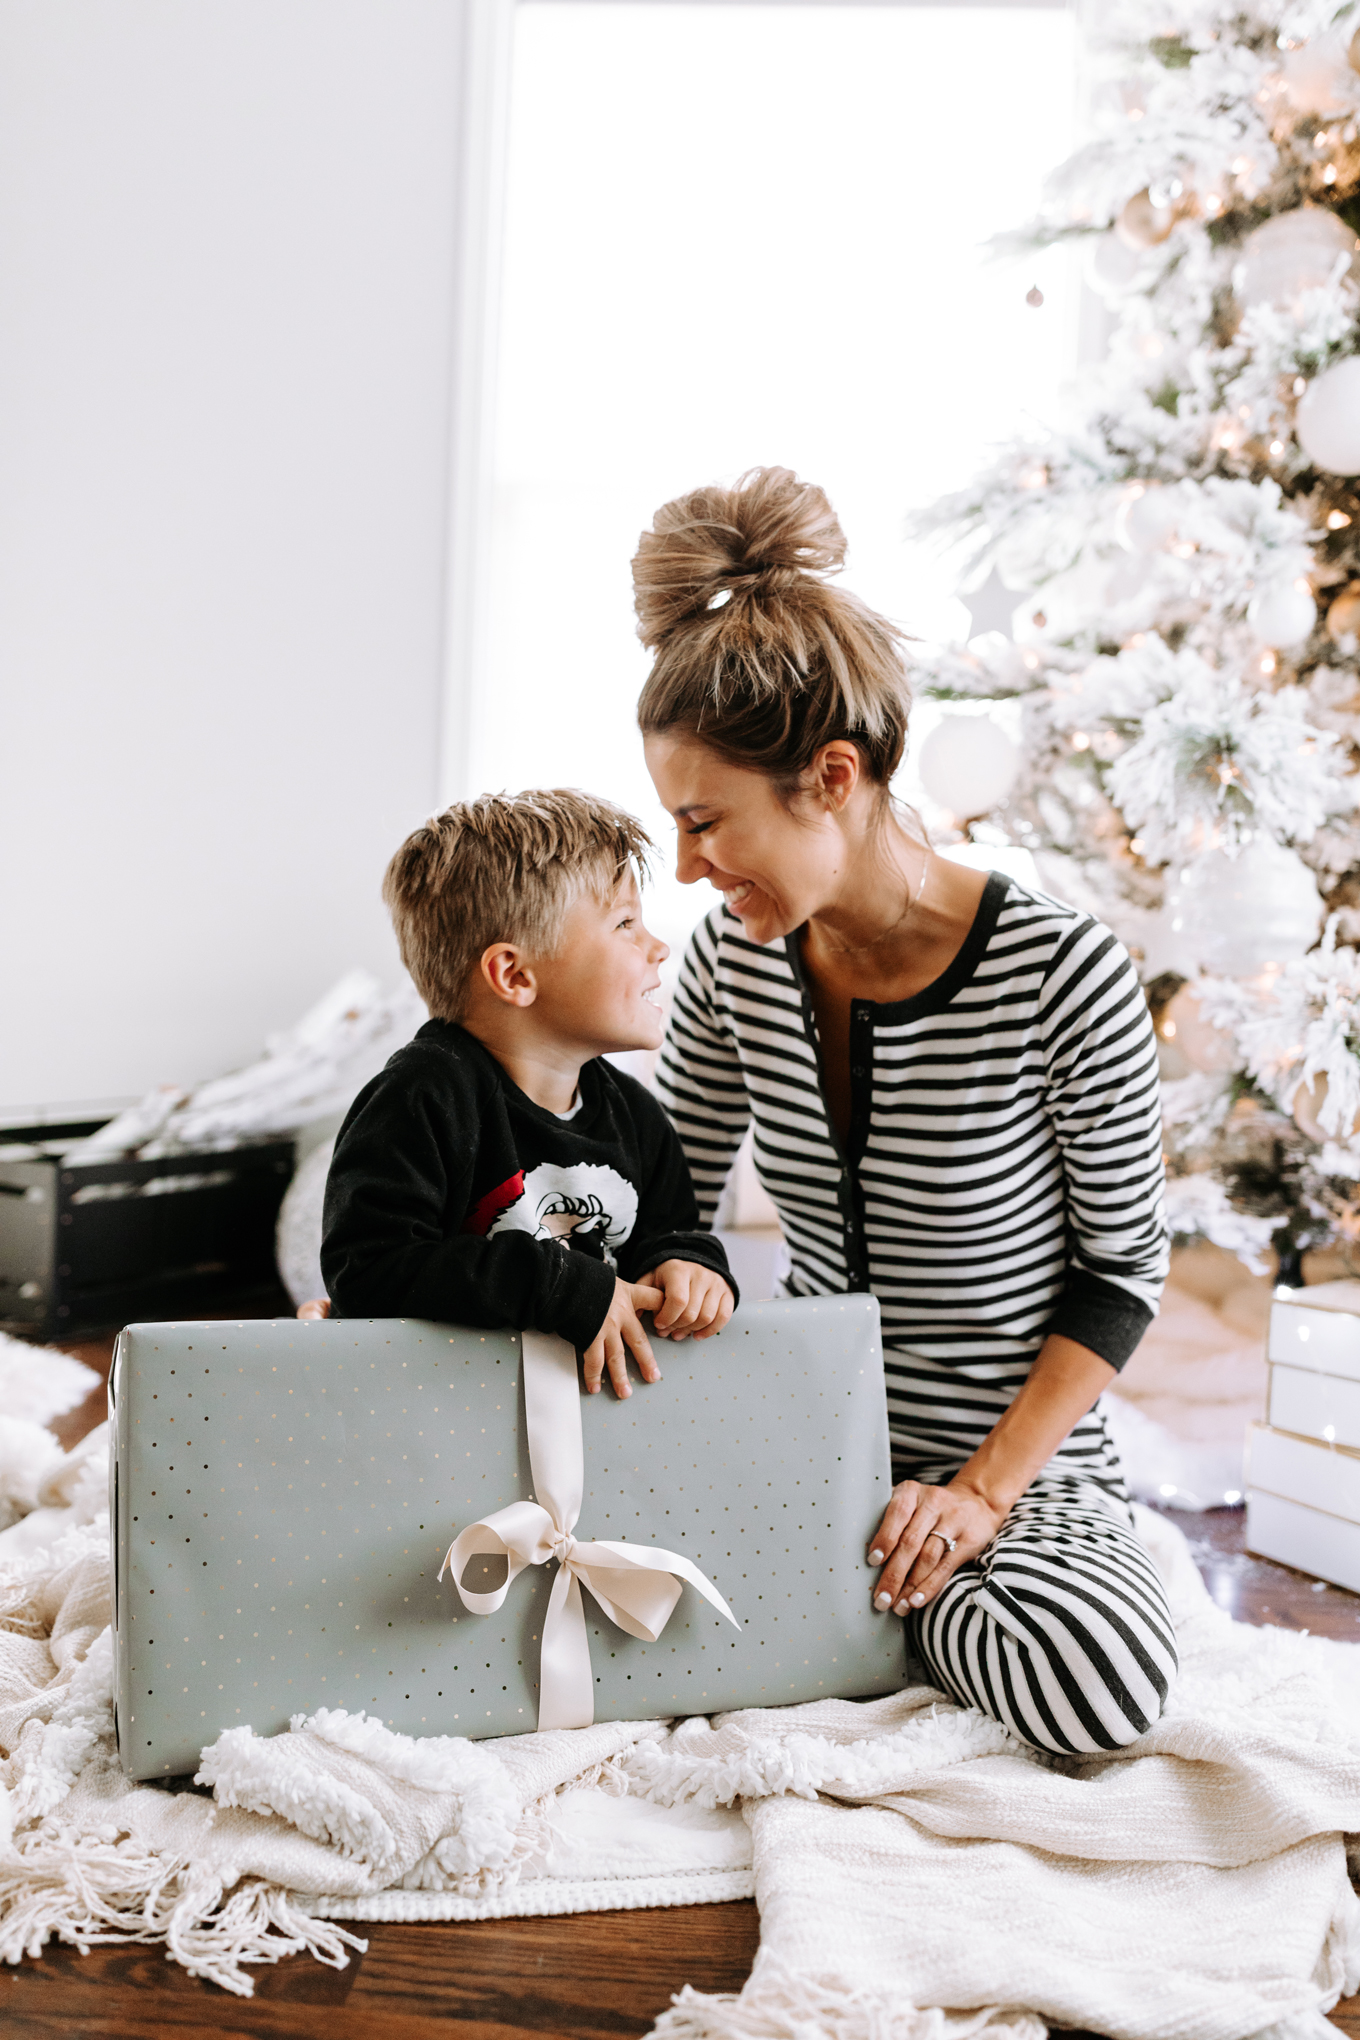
(453,1196)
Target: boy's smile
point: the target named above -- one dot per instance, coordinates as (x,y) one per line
(598,993)
(543,1016)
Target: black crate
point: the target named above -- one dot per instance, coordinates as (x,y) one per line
(88,1247)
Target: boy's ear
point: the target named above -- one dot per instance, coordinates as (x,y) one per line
(507,973)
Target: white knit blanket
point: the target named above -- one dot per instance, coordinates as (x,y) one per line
(920,1876)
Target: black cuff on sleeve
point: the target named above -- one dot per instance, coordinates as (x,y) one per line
(587,1292)
(1100,1315)
(703,1248)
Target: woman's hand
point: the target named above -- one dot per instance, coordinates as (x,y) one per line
(916,1561)
(1061,1387)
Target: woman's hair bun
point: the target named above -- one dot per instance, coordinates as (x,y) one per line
(766,533)
(756,651)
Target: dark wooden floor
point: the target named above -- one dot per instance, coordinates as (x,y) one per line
(599,1976)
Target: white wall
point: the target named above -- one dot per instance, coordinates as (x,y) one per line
(730,241)
(226,260)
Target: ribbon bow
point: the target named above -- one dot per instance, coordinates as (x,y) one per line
(636,1585)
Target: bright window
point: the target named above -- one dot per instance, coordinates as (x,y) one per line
(742,235)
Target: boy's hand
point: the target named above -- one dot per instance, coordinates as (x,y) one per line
(620,1334)
(698,1302)
(318,1307)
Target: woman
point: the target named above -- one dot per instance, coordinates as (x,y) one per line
(954,1087)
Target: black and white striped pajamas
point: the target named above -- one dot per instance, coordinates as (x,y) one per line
(1002,1180)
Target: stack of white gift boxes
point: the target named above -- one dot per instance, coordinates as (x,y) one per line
(1303,1463)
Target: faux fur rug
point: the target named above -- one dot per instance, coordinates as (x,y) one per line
(920,1876)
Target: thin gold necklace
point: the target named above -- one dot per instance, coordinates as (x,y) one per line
(913,901)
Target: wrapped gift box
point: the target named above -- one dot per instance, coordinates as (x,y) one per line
(1303,1504)
(1303,1464)
(284,1495)
(1314,1357)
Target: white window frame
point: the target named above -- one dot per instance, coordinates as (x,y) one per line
(489,27)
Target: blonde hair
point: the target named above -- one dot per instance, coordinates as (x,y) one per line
(502,868)
(755,653)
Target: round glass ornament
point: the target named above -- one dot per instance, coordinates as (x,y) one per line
(1291,253)
(1233,916)
(968,765)
(1328,418)
(1142,224)
(1283,615)
(1146,519)
(1318,77)
(1343,614)
(1204,1046)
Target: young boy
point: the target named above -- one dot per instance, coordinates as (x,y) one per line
(497,1172)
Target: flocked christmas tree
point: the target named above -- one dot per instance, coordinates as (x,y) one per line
(1187,558)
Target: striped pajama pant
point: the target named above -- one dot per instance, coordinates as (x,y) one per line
(1060,1629)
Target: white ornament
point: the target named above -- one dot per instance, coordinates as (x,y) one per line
(968,765)
(1205,1047)
(1309,1100)
(1294,252)
(991,605)
(1328,418)
(1147,518)
(1232,916)
(1283,615)
(1112,266)
(1130,578)
(1145,221)
(1318,78)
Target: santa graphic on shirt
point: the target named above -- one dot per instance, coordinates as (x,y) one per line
(585,1206)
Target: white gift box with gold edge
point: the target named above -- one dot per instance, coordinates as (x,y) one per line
(285,1496)
(1303,1504)
(1314,1355)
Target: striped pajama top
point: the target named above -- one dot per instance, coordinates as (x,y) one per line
(1002,1178)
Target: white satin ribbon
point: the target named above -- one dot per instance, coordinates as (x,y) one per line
(637,1585)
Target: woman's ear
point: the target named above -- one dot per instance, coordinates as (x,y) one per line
(834,774)
(508,975)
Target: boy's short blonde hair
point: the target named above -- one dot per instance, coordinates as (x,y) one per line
(505,867)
